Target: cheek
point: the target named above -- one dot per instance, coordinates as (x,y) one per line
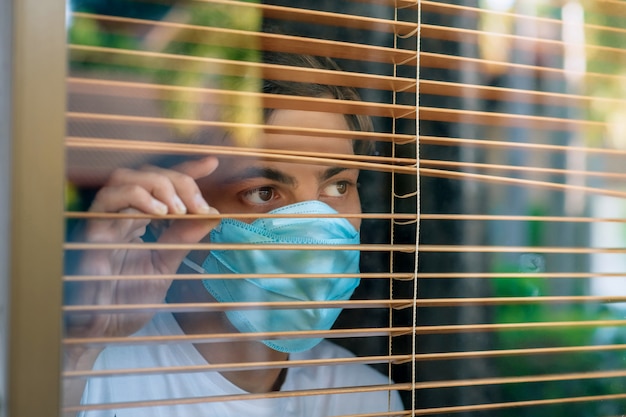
(353,206)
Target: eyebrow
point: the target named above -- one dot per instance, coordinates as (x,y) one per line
(279,176)
(262,172)
(331,172)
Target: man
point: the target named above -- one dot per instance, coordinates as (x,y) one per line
(231,185)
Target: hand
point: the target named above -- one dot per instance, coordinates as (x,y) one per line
(150,190)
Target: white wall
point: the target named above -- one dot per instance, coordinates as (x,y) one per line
(608,235)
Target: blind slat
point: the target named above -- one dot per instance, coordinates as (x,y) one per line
(519,249)
(537,170)
(353,332)
(95,215)
(273,42)
(519,275)
(196,276)
(146,59)
(528,19)
(443,61)
(273,101)
(226,306)
(390,83)
(513,404)
(229,367)
(349,304)
(240,397)
(521,379)
(518,181)
(512,94)
(517,352)
(538,218)
(229,337)
(521,42)
(506,119)
(267,128)
(226,246)
(291,14)
(520,145)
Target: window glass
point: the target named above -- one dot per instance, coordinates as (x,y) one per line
(242,208)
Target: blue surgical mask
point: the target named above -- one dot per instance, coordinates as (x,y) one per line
(314,231)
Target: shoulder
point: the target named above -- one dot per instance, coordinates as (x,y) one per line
(147,354)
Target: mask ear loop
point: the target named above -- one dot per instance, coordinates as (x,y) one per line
(191,264)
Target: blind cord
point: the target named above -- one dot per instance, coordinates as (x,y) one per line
(417,207)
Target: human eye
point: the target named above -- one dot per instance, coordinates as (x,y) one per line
(260,195)
(337,189)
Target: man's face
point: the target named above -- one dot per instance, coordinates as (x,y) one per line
(255,185)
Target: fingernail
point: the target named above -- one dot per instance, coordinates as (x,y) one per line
(159,207)
(202,204)
(179,206)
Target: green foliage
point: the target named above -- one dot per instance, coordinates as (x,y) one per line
(186,104)
(194,39)
(521,365)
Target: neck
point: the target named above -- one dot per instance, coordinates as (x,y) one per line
(254,381)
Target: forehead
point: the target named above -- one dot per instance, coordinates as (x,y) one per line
(310,119)
(298,144)
(313,120)
(315,136)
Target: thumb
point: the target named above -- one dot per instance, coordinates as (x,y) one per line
(184,232)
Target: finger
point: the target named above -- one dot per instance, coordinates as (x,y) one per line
(188,197)
(184,231)
(113,199)
(173,191)
(126,184)
(156,182)
(179,191)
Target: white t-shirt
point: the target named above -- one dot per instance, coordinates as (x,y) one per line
(194,386)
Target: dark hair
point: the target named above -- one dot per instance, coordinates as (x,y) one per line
(356,122)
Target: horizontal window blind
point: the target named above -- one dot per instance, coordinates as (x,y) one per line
(521,278)
(517,304)
(156,84)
